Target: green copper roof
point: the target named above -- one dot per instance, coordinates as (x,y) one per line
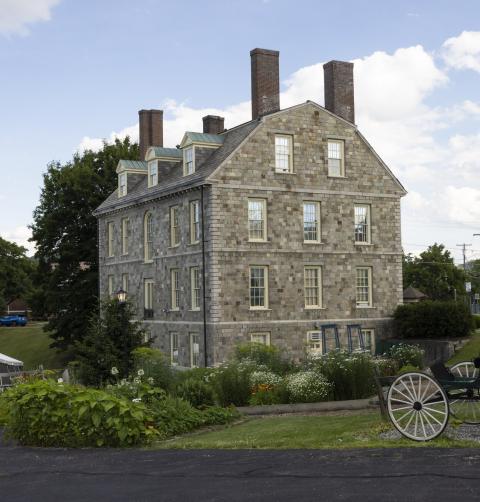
(132,164)
(167,152)
(198,137)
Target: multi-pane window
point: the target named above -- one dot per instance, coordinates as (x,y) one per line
(188,161)
(335,158)
(262,338)
(111,286)
(110,238)
(195,287)
(257,219)
(194,350)
(369,339)
(362,223)
(125,232)
(175,288)
(364,287)
(311,222)
(174,353)
(314,342)
(313,287)
(194,221)
(122,184)
(258,287)
(148,237)
(174,230)
(148,298)
(125,282)
(283,154)
(152,173)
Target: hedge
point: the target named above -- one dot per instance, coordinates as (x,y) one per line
(433,319)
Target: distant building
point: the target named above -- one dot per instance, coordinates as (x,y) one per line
(413,295)
(18,306)
(262,232)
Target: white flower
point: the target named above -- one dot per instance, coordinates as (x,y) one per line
(60,380)
(140,372)
(150,380)
(136,400)
(136,380)
(114,371)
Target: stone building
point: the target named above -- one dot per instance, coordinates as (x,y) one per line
(282,230)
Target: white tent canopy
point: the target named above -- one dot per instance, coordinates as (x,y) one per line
(10,361)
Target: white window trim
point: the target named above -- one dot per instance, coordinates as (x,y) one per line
(310,342)
(125,236)
(191,336)
(265,218)
(194,203)
(125,285)
(266,295)
(266,334)
(372,334)
(173,232)
(318,268)
(192,147)
(318,213)
(174,301)
(148,285)
(146,258)
(193,290)
(110,239)
(370,288)
(290,155)
(122,193)
(111,285)
(369,225)
(172,361)
(341,142)
(150,175)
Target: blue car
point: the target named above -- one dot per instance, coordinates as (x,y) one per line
(13,320)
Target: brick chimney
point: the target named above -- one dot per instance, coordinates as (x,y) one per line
(213,124)
(265,82)
(338,80)
(150,130)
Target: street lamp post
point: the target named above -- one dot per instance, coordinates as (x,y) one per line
(121,296)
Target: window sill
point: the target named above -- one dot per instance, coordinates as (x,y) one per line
(193,310)
(284,172)
(337,177)
(313,242)
(110,257)
(175,246)
(147,262)
(259,241)
(314,308)
(259,309)
(365,307)
(192,243)
(124,254)
(363,244)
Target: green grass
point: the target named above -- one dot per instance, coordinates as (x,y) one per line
(469,351)
(280,432)
(30,344)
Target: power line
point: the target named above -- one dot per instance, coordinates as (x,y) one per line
(464,249)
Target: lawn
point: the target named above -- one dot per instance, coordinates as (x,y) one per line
(30,344)
(359,430)
(469,351)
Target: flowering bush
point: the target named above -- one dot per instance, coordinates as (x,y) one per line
(264,378)
(308,387)
(136,389)
(152,363)
(231,384)
(197,392)
(266,356)
(407,355)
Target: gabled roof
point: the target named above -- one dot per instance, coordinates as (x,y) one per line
(160,152)
(202,138)
(131,165)
(412,293)
(171,177)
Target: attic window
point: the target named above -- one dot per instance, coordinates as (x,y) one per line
(336,166)
(188,161)
(152,173)
(122,184)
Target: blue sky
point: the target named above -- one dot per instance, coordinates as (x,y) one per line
(75,72)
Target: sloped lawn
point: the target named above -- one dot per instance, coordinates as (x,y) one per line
(30,344)
(470,351)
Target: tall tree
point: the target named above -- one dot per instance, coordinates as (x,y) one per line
(65,233)
(434,273)
(16,271)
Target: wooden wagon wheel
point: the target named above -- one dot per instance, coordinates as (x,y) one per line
(417,406)
(465,403)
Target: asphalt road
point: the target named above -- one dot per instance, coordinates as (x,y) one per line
(34,474)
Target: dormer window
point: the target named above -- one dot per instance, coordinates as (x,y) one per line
(152,173)
(188,161)
(122,184)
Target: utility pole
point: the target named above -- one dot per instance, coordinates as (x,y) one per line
(464,252)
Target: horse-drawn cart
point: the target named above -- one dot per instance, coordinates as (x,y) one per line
(420,404)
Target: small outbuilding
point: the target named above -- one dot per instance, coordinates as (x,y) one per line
(413,295)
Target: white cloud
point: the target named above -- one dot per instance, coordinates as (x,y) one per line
(20,236)
(463,52)
(16,15)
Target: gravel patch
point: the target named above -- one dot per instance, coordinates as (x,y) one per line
(461,432)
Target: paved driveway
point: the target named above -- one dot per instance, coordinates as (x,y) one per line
(294,475)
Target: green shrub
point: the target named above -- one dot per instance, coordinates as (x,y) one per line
(407,355)
(352,374)
(196,392)
(215,415)
(262,355)
(408,368)
(307,387)
(231,384)
(386,366)
(156,366)
(432,319)
(476,321)
(45,413)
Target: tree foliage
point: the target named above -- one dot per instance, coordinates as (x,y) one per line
(109,343)
(434,273)
(16,271)
(65,232)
